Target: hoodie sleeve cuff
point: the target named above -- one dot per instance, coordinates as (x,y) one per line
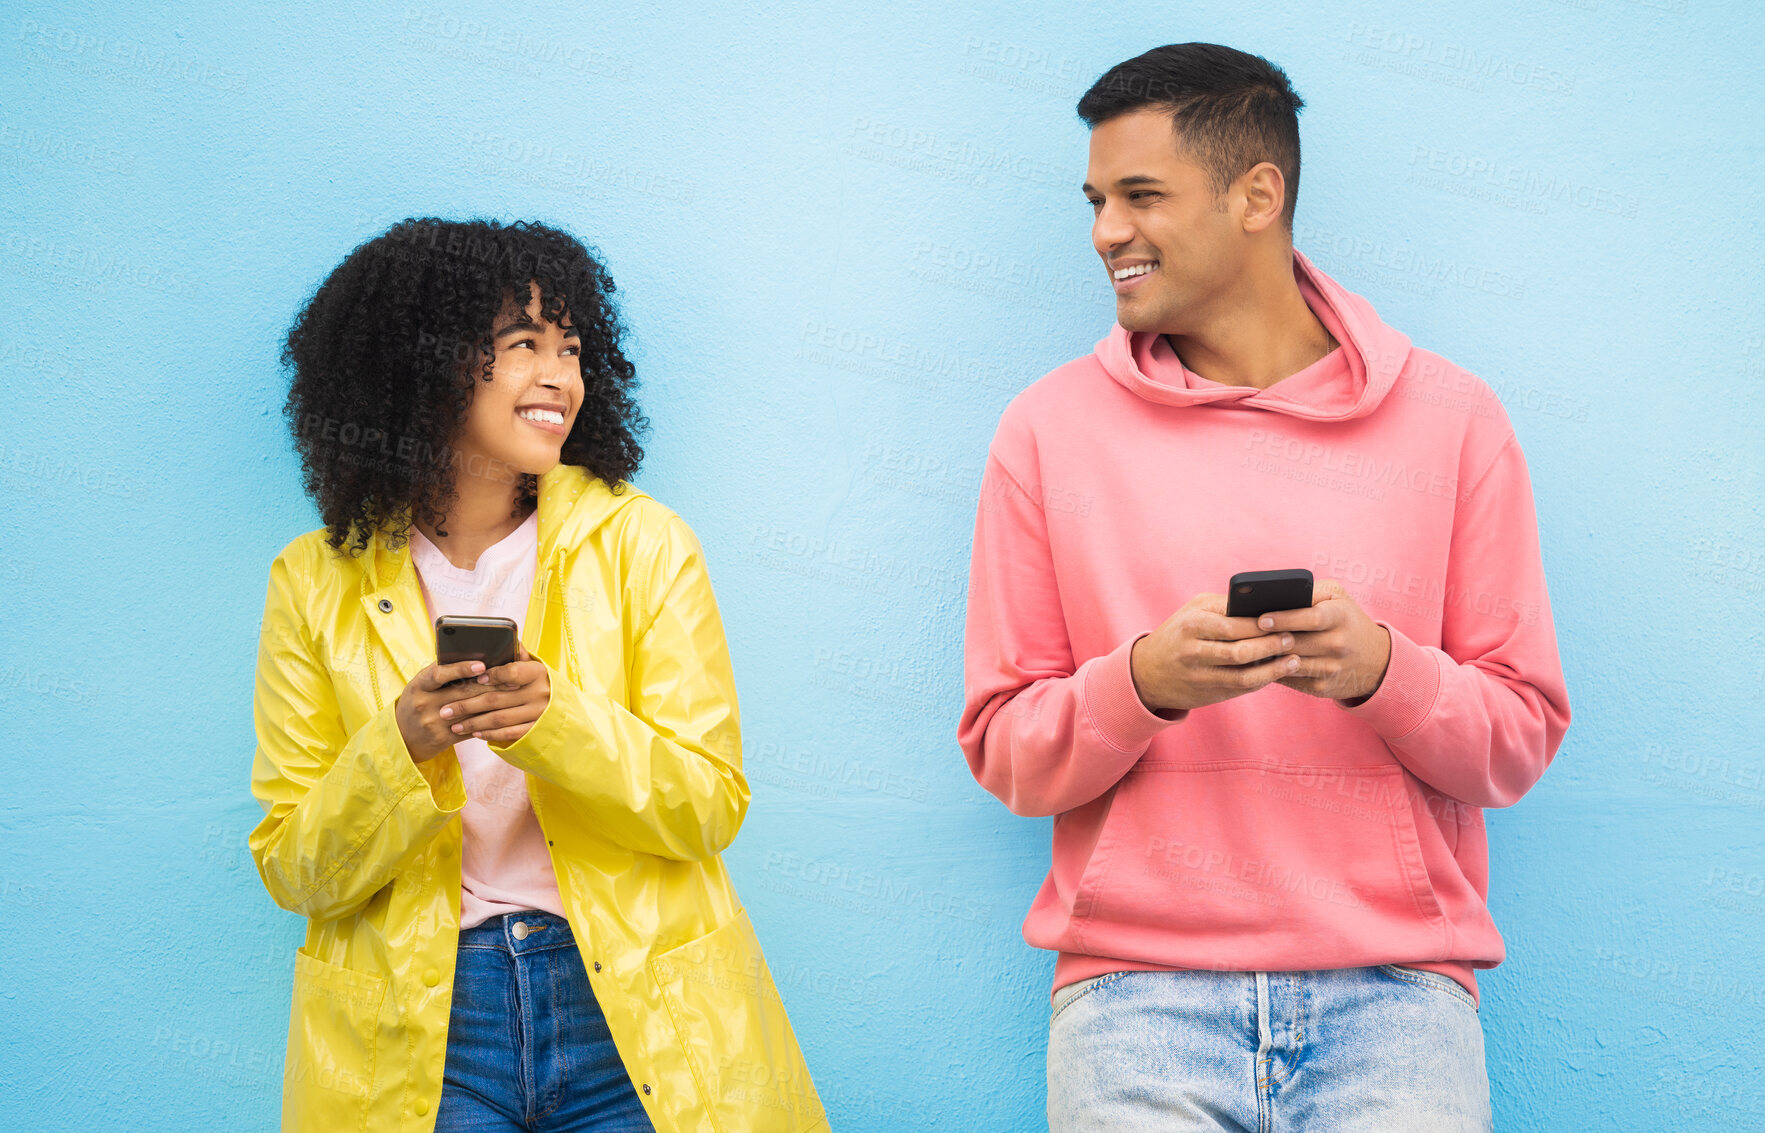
(1406,695)
(1117,713)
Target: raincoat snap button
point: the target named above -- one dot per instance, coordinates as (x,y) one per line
(431,977)
(385,605)
(422,1107)
(646,1087)
(597,965)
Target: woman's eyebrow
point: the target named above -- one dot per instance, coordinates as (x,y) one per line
(521,325)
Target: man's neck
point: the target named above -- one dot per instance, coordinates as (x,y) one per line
(1259,340)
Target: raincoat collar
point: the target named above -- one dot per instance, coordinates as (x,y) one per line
(573,502)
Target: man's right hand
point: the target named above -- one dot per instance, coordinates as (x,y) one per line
(1200,656)
(426,732)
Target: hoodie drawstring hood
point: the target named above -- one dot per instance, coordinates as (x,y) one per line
(1348,382)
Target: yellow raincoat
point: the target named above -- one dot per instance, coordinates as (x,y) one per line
(634,771)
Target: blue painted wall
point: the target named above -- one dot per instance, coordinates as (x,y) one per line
(844,241)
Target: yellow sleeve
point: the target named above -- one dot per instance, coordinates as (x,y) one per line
(342,813)
(664,775)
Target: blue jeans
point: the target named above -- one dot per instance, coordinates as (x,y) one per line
(527,1046)
(1384,1049)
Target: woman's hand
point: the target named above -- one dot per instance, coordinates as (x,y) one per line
(503,706)
(426,706)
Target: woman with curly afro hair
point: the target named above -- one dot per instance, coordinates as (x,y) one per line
(517,912)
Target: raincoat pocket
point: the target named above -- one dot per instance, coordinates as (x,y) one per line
(732,1025)
(332,1035)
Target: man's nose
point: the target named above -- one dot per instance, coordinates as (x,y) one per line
(1111,230)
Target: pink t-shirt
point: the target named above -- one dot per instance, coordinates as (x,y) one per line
(506,866)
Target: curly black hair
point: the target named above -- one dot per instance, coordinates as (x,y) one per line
(380,355)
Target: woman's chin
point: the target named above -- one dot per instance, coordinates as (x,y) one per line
(535,459)
(542,465)
(508,468)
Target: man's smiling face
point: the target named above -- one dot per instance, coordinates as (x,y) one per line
(1169,244)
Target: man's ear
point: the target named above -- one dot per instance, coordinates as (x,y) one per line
(1265,194)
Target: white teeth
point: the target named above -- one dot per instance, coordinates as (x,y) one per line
(551,415)
(1137,269)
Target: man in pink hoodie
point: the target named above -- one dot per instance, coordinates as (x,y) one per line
(1268,895)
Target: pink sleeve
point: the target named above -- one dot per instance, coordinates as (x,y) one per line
(1480,718)
(1039,734)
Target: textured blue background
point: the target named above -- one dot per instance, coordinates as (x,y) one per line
(844,241)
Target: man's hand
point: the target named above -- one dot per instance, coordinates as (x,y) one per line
(511,698)
(1199,656)
(1343,653)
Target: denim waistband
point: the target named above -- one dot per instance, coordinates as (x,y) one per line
(526,930)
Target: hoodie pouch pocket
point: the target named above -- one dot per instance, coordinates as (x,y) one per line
(1251,864)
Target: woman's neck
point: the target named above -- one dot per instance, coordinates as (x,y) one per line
(478,520)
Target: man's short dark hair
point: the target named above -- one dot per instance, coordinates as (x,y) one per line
(1229,110)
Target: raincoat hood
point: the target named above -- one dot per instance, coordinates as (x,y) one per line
(1372,355)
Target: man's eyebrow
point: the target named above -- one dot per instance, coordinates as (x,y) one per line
(1136,179)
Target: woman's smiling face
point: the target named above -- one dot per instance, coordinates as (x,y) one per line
(518,419)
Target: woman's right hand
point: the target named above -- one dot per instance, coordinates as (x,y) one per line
(426,732)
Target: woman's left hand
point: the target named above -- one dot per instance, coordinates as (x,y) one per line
(514,696)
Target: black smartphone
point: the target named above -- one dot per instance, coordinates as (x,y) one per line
(1254,593)
(462,638)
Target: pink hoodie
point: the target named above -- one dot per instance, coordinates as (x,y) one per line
(1275,830)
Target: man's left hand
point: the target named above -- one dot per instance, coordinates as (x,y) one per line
(1342,652)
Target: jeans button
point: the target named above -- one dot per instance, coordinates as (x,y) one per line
(520,930)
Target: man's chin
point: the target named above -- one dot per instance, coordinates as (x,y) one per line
(1136,317)
(1142,314)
